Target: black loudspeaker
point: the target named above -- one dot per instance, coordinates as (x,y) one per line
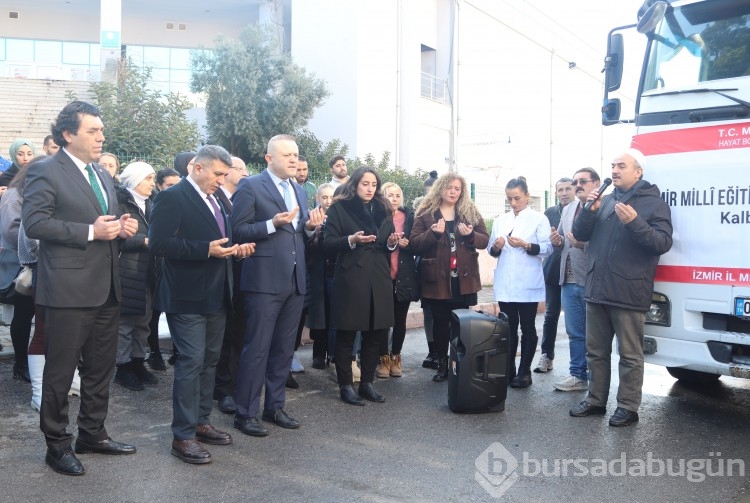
(478,362)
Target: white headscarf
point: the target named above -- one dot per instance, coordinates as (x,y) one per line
(134,173)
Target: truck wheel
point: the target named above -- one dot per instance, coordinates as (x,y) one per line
(692,376)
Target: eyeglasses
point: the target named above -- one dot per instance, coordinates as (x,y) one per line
(580,181)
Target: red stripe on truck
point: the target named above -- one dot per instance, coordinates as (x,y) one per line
(675,141)
(703,275)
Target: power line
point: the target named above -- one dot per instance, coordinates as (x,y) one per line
(551,50)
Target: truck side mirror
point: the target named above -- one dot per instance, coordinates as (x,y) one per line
(611,111)
(613,62)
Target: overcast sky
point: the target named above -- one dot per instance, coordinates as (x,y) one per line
(523,104)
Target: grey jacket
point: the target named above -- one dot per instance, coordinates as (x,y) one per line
(622,258)
(578,257)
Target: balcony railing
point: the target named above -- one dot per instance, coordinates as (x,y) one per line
(435,89)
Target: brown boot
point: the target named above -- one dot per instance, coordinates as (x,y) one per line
(384,367)
(396,366)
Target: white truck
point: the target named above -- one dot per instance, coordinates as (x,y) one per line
(692,122)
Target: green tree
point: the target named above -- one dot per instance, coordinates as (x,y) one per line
(141,122)
(318,154)
(253,92)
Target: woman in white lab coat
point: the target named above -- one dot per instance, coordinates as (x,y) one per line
(520,239)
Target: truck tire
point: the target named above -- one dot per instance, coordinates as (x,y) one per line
(692,376)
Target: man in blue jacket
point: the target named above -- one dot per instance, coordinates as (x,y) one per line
(627,231)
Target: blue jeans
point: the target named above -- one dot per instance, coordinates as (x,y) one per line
(575,325)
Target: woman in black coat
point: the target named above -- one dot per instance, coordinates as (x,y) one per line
(359,231)
(137,276)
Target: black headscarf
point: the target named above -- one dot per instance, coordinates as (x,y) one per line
(181,161)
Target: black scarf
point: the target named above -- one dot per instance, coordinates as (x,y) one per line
(370,216)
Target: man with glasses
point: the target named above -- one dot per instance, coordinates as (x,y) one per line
(551,269)
(572,273)
(626,231)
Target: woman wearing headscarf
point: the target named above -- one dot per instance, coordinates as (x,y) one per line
(137,278)
(359,231)
(21,153)
(181,162)
(10,223)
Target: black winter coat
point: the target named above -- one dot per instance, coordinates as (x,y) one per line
(622,258)
(137,265)
(406,285)
(362,286)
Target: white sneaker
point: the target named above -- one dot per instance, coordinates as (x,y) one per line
(544,365)
(572,383)
(297,365)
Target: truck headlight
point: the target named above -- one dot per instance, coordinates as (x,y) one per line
(660,312)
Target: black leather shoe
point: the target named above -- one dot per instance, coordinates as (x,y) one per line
(156,361)
(173,359)
(141,372)
(584,409)
(291,382)
(367,391)
(348,395)
(207,434)
(431,361)
(106,446)
(250,426)
(280,418)
(442,370)
(190,451)
(623,417)
(226,405)
(64,462)
(521,381)
(21,372)
(319,362)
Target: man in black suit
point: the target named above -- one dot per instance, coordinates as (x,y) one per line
(190,230)
(71,207)
(231,347)
(270,209)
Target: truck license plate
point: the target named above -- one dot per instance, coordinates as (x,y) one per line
(742,307)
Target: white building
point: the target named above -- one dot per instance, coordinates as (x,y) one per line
(528,89)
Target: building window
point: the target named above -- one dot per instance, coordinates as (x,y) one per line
(432,87)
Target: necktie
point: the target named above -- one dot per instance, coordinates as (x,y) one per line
(218,215)
(95,187)
(287,195)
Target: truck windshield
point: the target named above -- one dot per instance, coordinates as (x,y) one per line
(700,42)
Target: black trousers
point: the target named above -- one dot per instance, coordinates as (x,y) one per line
(231,348)
(20,327)
(88,335)
(441,323)
(153,334)
(400,311)
(368,356)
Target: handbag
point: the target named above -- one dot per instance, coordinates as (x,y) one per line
(24,281)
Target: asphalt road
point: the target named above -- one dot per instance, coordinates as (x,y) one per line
(412,448)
